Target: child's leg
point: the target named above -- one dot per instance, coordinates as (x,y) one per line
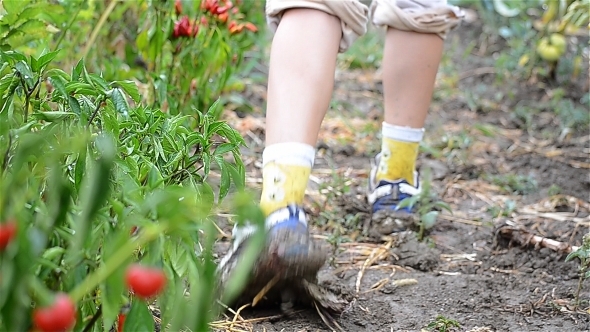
(308,35)
(301,75)
(410,64)
(300,84)
(412,53)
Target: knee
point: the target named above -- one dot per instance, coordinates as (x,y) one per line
(353,15)
(424,16)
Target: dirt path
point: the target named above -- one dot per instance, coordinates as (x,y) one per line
(494,167)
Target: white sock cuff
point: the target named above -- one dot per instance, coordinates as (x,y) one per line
(291,153)
(406,134)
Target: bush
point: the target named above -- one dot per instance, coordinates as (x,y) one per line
(98,175)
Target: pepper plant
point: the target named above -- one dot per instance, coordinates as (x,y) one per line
(192,48)
(91,186)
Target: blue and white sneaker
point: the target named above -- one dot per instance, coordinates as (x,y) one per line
(289,253)
(384,197)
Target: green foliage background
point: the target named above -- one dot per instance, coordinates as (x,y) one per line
(109,131)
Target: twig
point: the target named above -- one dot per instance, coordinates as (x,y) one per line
(28,95)
(237,314)
(373,257)
(525,238)
(99,24)
(558,216)
(328,319)
(68,26)
(7,153)
(93,320)
(265,290)
(477,72)
(452,218)
(98,103)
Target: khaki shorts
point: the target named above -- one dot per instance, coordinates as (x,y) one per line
(424,16)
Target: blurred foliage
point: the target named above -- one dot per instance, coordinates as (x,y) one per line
(109,135)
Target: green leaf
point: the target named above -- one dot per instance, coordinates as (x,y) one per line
(14,6)
(23,129)
(74,105)
(120,102)
(159,151)
(215,109)
(14,56)
(139,318)
(443,206)
(94,194)
(60,198)
(142,42)
(213,127)
(224,148)
(55,72)
(155,178)
(194,138)
(31,12)
(6,82)
(572,255)
(113,288)
(25,72)
(131,89)
(205,195)
(226,131)
(409,202)
(99,82)
(237,177)
(59,84)
(77,71)
(85,76)
(225,177)
(178,258)
(156,41)
(161,86)
(43,61)
(80,88)
(30,30)
(53,116)
(429,219)
(111,122)
(245,209)
(80,169)
(206,163)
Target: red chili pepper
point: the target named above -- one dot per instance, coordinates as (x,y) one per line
(182,28)
(59,316)
(250,26)
(7,233)
(145,282)
(210,5)
(178,7)
(120,322)
(221,10)
(223,17)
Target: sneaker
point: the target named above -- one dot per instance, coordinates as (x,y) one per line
(289,252)
(384,197)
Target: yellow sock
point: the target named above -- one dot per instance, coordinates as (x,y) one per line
(283,184)
(398,160)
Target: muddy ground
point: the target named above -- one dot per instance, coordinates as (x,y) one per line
(491,166)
